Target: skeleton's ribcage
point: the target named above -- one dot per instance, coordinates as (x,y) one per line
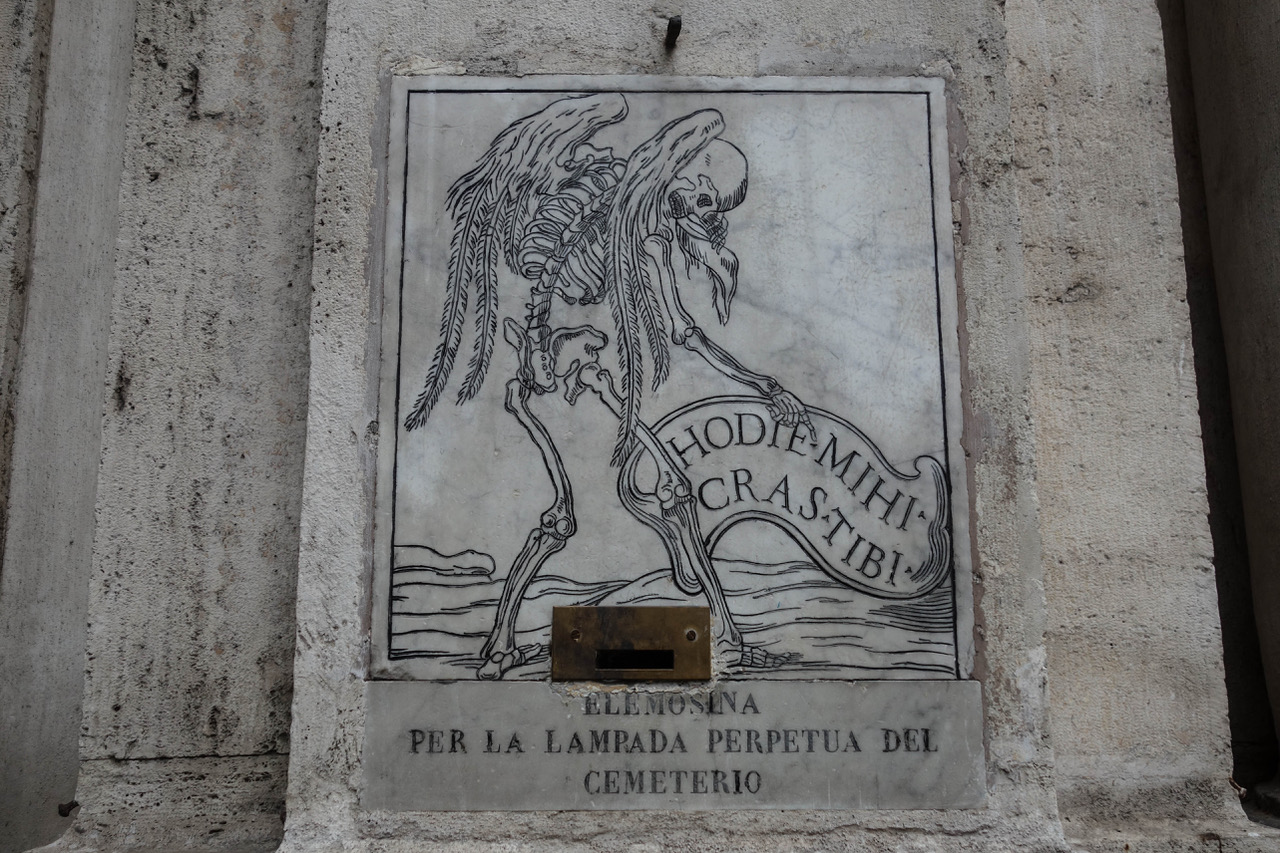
(563,247)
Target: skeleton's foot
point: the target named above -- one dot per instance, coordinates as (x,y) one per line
(754,657)
(500,662)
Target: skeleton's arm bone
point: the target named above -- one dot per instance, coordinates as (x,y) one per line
(719,358)
(686,333)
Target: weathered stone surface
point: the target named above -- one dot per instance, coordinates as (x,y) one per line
(201,405)
(1129,577)
(191,637)
(231,805)
(55,347)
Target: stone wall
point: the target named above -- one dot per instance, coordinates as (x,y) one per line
(64,131)
(24,50)
(1128,561)
(1094,577)
(205,410)
(200,393)
(241,341)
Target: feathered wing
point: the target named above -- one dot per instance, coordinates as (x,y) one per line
(637,212)
(490,206)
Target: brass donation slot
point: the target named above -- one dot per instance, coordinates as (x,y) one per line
(630,644)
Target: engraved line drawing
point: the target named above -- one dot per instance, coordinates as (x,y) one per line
(582,225)
(549,218)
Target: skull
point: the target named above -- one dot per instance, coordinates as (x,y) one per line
(714,183)
(702,192)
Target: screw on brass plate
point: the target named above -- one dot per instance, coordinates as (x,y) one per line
(650,643)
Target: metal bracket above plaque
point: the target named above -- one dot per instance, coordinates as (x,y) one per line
(630,644)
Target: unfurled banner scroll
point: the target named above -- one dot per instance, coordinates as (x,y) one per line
(863,521)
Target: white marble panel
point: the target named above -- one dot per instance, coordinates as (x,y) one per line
(670,341)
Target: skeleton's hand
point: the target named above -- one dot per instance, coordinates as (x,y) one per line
(786,409)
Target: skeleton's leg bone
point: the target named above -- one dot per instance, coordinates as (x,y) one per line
(598,380)
(557,525)
(681,535)
(669,512)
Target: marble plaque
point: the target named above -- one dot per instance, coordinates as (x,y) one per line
(661,341)
(744,744)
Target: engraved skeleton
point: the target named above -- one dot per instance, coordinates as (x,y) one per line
(584,227)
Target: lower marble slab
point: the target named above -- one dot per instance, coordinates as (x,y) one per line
(739,745)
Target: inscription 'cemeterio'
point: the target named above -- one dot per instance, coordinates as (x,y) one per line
(650,341)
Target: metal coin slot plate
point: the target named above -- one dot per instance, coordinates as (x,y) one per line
(630,644)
